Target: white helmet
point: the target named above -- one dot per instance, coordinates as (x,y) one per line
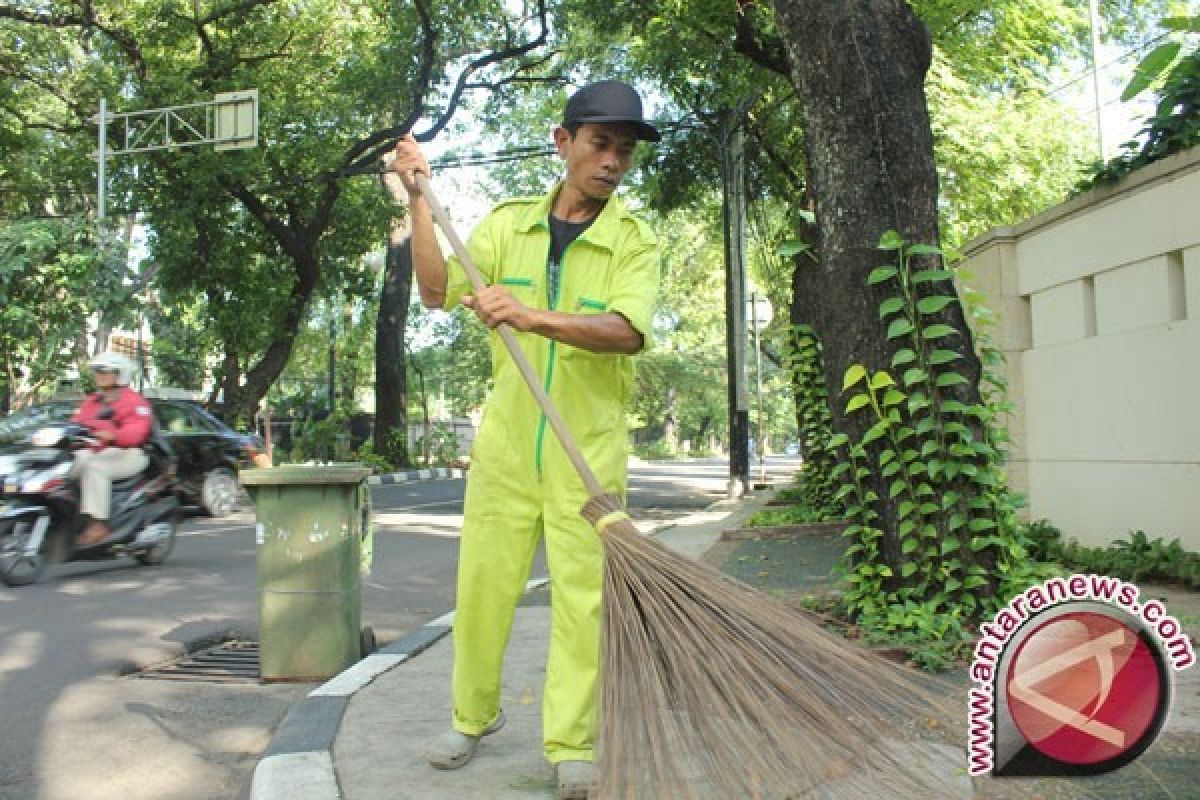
(114,362)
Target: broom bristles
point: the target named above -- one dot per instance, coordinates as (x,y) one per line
(715,691)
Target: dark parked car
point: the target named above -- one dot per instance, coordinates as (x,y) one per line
(210,453)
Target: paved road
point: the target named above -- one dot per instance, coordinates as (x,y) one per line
(75,724)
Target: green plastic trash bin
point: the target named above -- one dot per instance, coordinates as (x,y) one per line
(310,524)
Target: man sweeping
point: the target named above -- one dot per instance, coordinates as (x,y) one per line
(576,276)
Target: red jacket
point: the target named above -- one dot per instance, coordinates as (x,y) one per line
(130,420)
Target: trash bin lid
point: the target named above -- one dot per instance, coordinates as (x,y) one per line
(304,474)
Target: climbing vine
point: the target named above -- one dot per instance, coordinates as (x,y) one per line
(942,460)
(817,484)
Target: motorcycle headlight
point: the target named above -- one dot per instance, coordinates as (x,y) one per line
(47,437)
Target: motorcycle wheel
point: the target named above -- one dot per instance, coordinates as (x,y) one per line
(17,568)
(153,556)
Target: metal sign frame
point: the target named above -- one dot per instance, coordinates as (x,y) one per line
(228,122)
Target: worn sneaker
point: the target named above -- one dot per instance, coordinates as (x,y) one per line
(454,749)
(575,779)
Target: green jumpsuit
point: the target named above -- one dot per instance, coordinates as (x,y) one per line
(521,484)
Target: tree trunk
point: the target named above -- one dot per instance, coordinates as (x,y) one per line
(859,69)
(231,389)
(262,376)
(391,375)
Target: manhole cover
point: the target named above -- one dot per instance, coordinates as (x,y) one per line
(230,662)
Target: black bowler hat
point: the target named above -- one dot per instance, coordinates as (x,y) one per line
(609,101)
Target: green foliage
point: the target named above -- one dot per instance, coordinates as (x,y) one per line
(443,446)
(379,464)
(680,390)
(1139,558)
(44,267)
(933,638)
(657,450)
(180,345)
(1175,124)
(247,238)
(798,514)
(453,360)
(321,440)
(941,462)
(1162,59)
(1001,156)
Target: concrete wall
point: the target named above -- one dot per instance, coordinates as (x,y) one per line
(1099,305)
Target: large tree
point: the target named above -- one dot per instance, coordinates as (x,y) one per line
(338,84)
(860,68)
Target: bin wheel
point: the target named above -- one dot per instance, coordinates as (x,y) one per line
(367,644)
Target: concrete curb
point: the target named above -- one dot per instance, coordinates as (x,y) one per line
(436,473)
(298,764)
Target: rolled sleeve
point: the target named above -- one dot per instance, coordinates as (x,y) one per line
(635,291)
(481,247)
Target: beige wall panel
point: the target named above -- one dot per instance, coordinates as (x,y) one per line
(1059,314)
(1099,305)
(1151,219)
(993,273)
(1133,296)
(1097,503)
(1127,397)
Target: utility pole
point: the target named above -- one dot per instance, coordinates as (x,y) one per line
(760,429)
(1094,20)
(733,212)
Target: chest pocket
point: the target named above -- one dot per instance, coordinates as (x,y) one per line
(523,288)
(590,305)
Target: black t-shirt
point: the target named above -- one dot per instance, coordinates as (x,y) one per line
(562,233)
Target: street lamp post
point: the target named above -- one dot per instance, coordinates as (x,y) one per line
(760,317)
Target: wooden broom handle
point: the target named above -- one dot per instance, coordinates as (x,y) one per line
(594,489)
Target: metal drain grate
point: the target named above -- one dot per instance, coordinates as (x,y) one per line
(230,662)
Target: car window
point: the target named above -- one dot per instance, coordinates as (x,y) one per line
(203,421)
(173,418)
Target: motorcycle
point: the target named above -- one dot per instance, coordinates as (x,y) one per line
(40,518)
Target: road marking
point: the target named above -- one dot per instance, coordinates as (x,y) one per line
(249,526)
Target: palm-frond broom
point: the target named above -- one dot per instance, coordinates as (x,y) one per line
(715,691)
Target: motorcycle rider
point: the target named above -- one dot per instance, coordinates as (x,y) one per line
(120,419)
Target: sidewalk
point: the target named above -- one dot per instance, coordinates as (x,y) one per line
(362,735)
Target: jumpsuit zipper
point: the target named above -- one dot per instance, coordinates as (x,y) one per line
(541,429)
